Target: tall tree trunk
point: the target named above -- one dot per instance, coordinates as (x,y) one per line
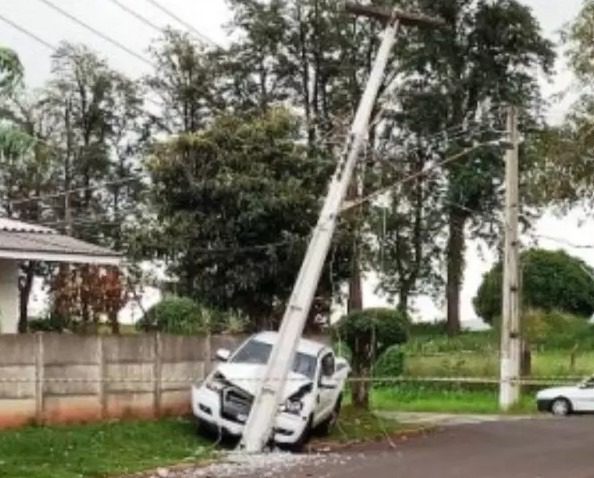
(360,389)
(355,284)
(455,266)
(25,287)
(114,323)
(403,297)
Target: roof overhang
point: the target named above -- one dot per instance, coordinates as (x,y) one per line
(20,241)
(22,255)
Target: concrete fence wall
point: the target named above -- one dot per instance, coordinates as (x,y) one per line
(55,379)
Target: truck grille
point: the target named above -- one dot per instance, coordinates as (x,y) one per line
(236,404)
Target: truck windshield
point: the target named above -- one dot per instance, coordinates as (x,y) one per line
(255,352)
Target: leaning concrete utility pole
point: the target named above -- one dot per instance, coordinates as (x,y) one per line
(266,401)
(509,391)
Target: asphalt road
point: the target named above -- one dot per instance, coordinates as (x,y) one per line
(551,448)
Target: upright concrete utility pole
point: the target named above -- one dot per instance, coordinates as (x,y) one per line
(266,401)
(509,392)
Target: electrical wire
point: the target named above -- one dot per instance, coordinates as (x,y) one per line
(30,34)
(100,34)
(43,197)
(137,15)
(382,191)
(205,40)
(564,242)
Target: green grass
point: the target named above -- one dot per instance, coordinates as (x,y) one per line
(419,398)
(554,363)
(358,426)
(102,450)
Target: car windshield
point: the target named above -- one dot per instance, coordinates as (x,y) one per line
(255,352)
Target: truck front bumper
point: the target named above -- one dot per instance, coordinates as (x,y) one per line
(206,406)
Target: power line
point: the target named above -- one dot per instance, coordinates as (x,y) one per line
(382,191)
(564,242)
(98,33)
(137,15)
(43,197)
(200,35)
(30,34)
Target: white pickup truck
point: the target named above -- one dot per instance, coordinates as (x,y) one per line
(311,398)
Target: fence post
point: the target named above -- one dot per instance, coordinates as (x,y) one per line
(39,378)
(157,368)
(102,378)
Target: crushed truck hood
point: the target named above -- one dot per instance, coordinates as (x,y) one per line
(249,376)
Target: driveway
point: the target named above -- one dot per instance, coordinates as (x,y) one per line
(549,448)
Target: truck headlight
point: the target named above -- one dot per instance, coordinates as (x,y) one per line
(294,407)
(216,383)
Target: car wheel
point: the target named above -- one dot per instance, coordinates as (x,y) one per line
(561,407)
(326,426)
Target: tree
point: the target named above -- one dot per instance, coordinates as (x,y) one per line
(235,204)
(184,83)
(87,294)
(176,315)
(565,174)
(551,281)
(11,71)
(482,56)
(368,334)
(28,172)
(60,145)
(315,56)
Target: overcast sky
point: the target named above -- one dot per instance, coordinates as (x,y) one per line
(208,17)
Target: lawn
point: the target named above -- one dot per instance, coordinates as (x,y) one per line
(359,425)
(420,398)
(554,363)
(93,451)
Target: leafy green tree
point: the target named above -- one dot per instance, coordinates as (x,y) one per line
(235,204)
(368,334)
(565,174)
(483,56)
(175,315)
(11,71)
(61,144)
(184,84)
(315,56)
(551,280)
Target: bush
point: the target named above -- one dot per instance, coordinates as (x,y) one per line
(390,363)
(184,316)
(555,329)
(175,315)
(551,280)
(380,328)
(368,334)
(342,350)
(53,323)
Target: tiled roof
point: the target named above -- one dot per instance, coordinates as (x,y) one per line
(22,241)
(10,225)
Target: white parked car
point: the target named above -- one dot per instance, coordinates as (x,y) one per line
(311,398)
(565,400)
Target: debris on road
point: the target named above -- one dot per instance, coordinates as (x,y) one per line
(265,465)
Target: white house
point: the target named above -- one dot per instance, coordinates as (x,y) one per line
(19,242)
